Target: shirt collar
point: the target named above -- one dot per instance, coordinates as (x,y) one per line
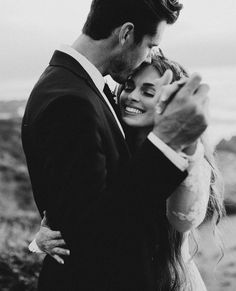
(93,72)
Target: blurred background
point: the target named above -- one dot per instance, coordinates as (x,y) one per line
(203,40)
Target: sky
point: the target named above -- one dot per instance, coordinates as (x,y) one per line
(204,36)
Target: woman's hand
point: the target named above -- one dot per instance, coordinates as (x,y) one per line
(51,242)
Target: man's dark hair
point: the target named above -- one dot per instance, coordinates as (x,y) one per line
(106,15)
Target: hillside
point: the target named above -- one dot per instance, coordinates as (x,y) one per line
(18,216)
(12,109)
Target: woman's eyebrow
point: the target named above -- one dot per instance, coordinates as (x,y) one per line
(148,85)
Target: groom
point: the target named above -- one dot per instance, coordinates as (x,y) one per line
(103,201)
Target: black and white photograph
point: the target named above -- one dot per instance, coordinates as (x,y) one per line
(118,145)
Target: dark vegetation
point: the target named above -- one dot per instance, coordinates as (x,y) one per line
(19,218)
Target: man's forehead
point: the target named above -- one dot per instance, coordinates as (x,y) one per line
(159,31)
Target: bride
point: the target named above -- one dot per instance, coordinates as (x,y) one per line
(197,197)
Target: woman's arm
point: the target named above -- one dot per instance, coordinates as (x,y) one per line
(187,206)
(48,241)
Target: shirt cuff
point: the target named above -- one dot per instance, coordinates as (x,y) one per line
(33,247)
(177,159)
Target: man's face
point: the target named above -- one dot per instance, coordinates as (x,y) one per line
(134,55)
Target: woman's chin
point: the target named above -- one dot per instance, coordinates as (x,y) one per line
(136,121)
(131,121)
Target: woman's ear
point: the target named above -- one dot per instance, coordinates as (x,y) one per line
(126,34)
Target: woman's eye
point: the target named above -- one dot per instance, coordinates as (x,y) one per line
(148,94)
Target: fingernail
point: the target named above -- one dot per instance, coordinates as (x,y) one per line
(158,109)
(164,98)
(68,253)
(62,262)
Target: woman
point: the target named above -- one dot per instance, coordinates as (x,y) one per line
(187,206)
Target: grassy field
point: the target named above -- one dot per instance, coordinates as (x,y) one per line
(19,219)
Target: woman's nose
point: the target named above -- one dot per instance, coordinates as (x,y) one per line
(134,96)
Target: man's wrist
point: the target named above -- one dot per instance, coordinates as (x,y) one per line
(175,157)
(167,141)
(33,247)
(197,156)
(191,149)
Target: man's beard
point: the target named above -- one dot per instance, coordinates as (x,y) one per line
(120,70)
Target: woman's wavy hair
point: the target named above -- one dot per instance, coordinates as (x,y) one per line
(172,273)
(107,15)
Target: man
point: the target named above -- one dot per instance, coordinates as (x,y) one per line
(104,202)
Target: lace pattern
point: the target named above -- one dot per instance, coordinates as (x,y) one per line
(191,197)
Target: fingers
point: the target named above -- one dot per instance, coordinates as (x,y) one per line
(191,85)
(61,242)
(61,251)
(44,221)
(165,79)
(58,259)
(166,94)
(55,234)
(182,81)
(56,253)
(204,100)
(45,214)
(203,89)
(55,243)
(201,94)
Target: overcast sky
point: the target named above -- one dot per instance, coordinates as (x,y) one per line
(205,34)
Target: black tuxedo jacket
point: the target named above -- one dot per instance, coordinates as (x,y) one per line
(105,202)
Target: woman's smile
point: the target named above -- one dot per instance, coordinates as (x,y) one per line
(133,110)
(137,102)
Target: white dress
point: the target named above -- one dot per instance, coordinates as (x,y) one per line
(186,210)
(195,280)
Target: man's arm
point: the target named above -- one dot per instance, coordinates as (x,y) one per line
(90,213)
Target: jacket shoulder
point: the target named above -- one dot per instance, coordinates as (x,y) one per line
(59,88)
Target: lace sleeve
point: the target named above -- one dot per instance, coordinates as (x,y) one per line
(186,207)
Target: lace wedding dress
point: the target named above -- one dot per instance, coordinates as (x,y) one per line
(187,207)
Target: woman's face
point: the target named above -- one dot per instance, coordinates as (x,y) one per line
(137,101)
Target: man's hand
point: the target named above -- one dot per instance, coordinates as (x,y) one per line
(185,117)
(51,242)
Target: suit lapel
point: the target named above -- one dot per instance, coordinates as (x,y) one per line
(64,60)
(60,59)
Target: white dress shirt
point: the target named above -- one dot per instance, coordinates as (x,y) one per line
(177,159)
